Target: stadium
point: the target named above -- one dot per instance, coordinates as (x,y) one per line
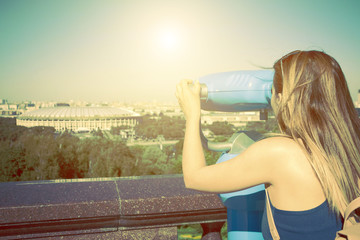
(79,119)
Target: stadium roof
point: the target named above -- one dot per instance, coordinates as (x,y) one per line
(78,112)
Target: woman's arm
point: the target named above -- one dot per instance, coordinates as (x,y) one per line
(188,94)
(256,165)
(261,163)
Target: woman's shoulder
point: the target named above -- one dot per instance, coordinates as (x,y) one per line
(272,152)
(281,144)
(283,152)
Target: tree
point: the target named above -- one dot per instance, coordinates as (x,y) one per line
(175,165)
(109,158)
(172,128)
(153,162)
(98,133)
(120,161)
(24,156)
(9,130)
(221,128)
(12,162)
(169,127)
(146,127)
(42,130)
(117,130)
(268,126)
(40,158)
(137,151)
(67,156)
(179,147)
(83,150)
(211,157)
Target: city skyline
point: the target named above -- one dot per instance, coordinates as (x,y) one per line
(138,50)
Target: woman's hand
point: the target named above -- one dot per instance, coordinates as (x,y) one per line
(188,95)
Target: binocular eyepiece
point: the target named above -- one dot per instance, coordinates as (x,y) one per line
(203,92)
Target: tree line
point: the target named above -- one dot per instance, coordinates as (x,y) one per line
(40,153)
(152,126)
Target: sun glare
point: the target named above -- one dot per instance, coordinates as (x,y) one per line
(168,39)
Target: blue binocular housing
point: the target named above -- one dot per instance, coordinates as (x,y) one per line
(237,90)
(234,92)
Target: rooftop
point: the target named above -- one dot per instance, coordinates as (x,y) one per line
(68,112)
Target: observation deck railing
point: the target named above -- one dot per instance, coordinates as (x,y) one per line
(149,207)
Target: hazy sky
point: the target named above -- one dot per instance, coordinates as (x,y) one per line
(137,50)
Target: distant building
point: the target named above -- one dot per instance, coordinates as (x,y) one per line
(79,118)
(235,118)
(62,105)
(12,107)
(9,110)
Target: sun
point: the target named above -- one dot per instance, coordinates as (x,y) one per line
(168,39)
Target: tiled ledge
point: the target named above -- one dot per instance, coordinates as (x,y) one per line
(149,207)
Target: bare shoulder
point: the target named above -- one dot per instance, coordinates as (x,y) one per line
(271,160)
(278,139)
(272,153)
(277,145)
(281,154)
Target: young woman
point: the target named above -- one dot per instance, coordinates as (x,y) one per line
(312,170)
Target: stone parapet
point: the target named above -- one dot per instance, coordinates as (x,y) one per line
(149,207)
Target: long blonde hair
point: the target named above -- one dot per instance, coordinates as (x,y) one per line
(317,108)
